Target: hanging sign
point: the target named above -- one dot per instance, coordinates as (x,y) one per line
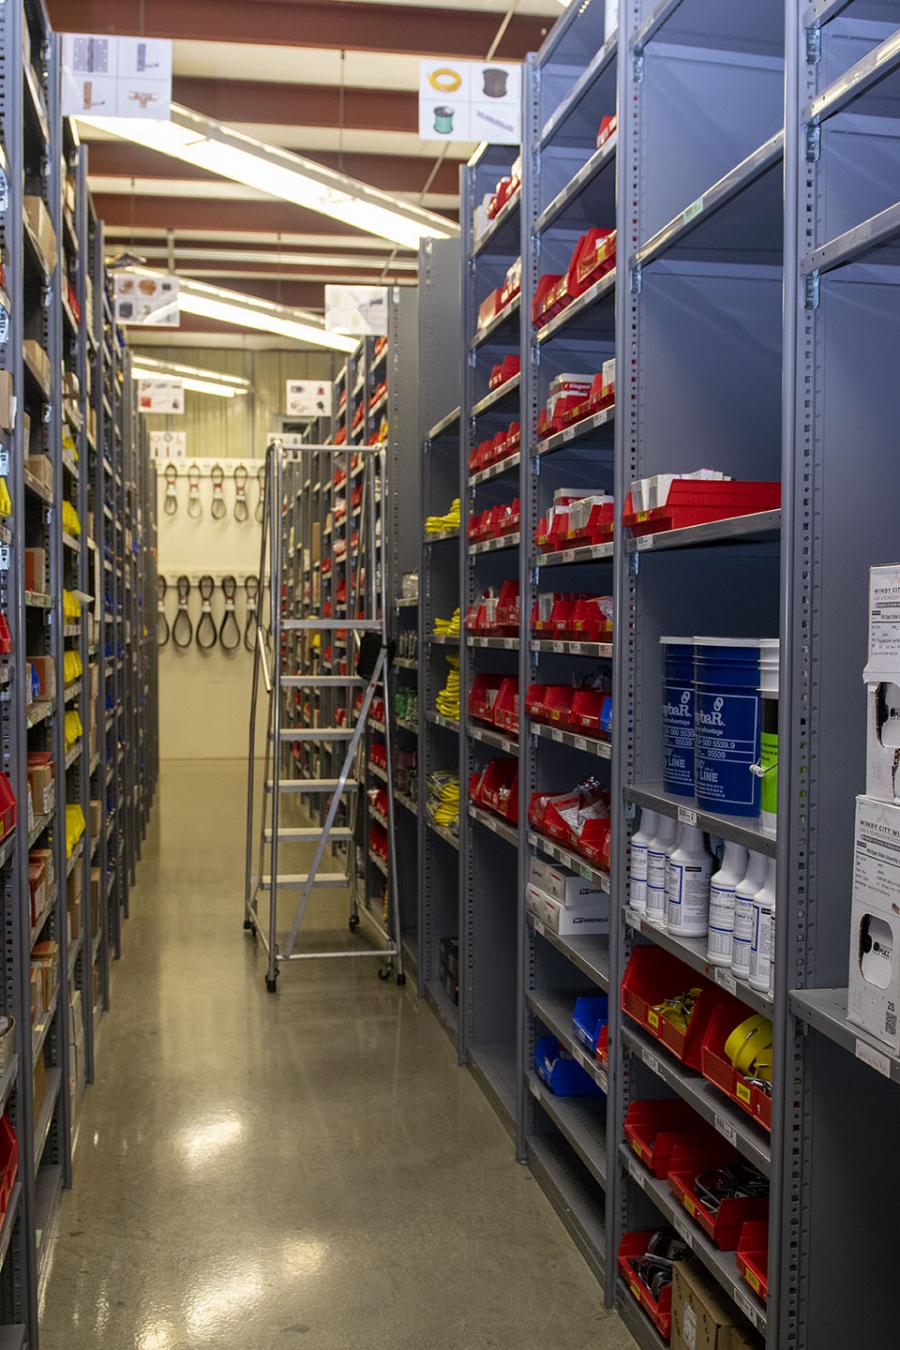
(470,101)
(168,445)
(116,76)
(149,301)
(161,396)
(357,310)
(309,398)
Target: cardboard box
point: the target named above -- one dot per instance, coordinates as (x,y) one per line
(93,680)
(567,920)
(73,910)
(7,402)
(95,900)
(38,218)
(36,570)
(44,855)
(42,781)
(562,885)
(883,662)
(703,1318)
(40,467)
(38,359)
(39,1087)
(96,819)
(883,741)
(873,996)
(38,888)
(45,667)
(316,542)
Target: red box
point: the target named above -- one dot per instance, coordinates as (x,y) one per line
(482,697)
(594,256)
(534,701)
(586,710)
(7,807)
(558,704)
(715,1064)
(753,1256)
(654,1128)
(488,308)
(506,707)
(6,645)
(631,1248)
(544,299)
(696,501)
(608,127)
(654,975)
(724,1228)
(506,370)
(9,1161)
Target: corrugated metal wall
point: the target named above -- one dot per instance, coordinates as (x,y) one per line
(223,428)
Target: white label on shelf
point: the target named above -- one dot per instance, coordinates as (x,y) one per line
(644,541)
(579,742)
(687,815)
(725,1128)
(580,1058)
(506,745)
(4,462)
(568,555)
(650,1059)
(725,980)
(684,1231)
(538,926)
(636,1172)
(4,557)
(742,1299)
(558,646)
(874,1058)
(689,212)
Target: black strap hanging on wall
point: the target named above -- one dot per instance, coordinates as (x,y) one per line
(183,628)
(241,509)
(218,510)
(229,629)
(170,504)
(261,479)
(251,585)
(206,628)
(162,623)
(194,506)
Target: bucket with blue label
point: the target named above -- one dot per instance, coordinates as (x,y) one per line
(728,722)
(678,715)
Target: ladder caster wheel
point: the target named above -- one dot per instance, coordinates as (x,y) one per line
(401,977)
(248,926)
(354,922)
(384,973)
(271,985)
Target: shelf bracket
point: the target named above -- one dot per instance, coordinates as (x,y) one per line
(812,291)
(814,45)
(636,281)
(813,143)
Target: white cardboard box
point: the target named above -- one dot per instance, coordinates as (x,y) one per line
(884,625)
(873,996)
(883,741)
(568,920)
(562,885)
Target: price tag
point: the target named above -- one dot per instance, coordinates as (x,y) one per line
(744,1302)
(725,1128)
(725,980)
(636,1172)
(568,555)
(683,1229)
(650,1059)
(687,816)
(538,926)
(644,541)
(579,742)
(507,745)
(4,461)
(578,649)
(874,1058)
(580,1057)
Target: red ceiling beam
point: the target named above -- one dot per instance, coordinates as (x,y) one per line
(298,105)
(307,23)
(392,173)
(216,216)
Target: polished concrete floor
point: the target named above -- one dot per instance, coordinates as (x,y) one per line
(309,1170)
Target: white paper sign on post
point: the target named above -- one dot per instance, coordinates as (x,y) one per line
(470,101)
(116,76)
(309,398)
(161,396)
(357,310)
(168,445)
(149,301)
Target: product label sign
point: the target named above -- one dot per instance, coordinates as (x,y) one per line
(309,398)
(149,301)
(726,743)
(469,101)
(356,310)
(678,738)
(161,396)
(116,76)
(168,445)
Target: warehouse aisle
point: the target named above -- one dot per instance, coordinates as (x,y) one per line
(308,1170)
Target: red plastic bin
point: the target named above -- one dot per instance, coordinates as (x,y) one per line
(723,1228)
(753,1256)
(9,1161)
(654,1128)
(483,696)
(654,975)
(631,1248)
(7,807)
(715,1064)
(506,706)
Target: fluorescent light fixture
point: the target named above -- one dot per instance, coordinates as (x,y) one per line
(199,140)
(196,378)
(252,311)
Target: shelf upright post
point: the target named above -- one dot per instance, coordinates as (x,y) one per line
(103,533)
(19,1283)
(468,310)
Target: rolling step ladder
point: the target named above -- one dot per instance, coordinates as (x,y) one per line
(286,664)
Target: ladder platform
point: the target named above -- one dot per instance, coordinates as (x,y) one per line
(311,785)
(331,625)
(296,880)
(315,733)
(306,833)
(321,682)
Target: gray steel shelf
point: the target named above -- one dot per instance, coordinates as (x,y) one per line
(825,1010)
(582,1212)
(503,319)
(599,162)
(508,644)
(578,1119)
(576,431)
(501,230)
(602,290)
(636,1320)
(446,1010)
(445,424)
(728,1120)
(571,860)
(692,951)
(509,744)
(496,396)
(498,470)
(570,647)
(855,82)
(592,744)
(588,77)
(437,720)
(745,830)
(763,525)
(870,235)
(493,1066)
(495,824)
(589,954)
(505,541)
(448,836)
(554,1009)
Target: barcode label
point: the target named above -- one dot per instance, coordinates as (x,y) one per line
(636,1172)
(558,646)
(687,816)
(650,1060)
(568,555)
(690,212)
(683,1229)
(726,980)
(874,1058)
(725,1129)
(644,541)
(742,1299)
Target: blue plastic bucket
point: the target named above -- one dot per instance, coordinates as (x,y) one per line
(678,715)
(727,723)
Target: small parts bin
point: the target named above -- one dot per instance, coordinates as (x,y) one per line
(654,1128)
(696,501)
(506,707)
(7,807)
(608,127)
(736,1057)
(562,1074)
(589,1016)
(496,788)
(723,1218)
(483,696)
(505,370)
(753,1256)
(578,820)
(658,1304)
(495,522)
(594,255)
(9,1162)
(495,615)
(669,1000)
(495,448)
(6,644)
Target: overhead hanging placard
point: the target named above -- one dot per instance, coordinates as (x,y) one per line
(116,77)
(309,398)
(161,396)
(470,101)
(357,310)
(168,445)
(149,301)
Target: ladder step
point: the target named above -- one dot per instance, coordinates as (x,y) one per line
(302,834)
(311,785)
(321,682)
(315,733)
(292,881)
(331,625)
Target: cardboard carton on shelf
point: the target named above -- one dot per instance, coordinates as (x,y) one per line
(95,900)
(38,359)
(7,402)
(703,1318)
(36,570)
(562,885)
(39,1087)
(42,781)
(38,218)
(590,919)
(96,819)
(873,995)
(40,467)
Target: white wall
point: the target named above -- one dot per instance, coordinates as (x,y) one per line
(204,697)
